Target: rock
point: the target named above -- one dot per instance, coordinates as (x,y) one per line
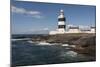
(85,43)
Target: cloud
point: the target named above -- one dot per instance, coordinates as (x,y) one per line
(35,14)
(42,29)
(45,29)
(37,31)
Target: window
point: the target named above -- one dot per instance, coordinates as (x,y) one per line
(61,26)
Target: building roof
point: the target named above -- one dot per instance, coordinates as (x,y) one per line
(93,27)
(73,27)
(85,30)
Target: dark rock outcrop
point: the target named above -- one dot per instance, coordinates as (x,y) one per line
(85,43)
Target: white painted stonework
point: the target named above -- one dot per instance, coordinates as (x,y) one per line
(61,30)
(61,23)
(60,16)
(73,31)
(92,30)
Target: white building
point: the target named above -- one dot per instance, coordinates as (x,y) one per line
(63,28)
(93,29)
(73,30)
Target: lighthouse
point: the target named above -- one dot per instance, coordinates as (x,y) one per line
(61,22)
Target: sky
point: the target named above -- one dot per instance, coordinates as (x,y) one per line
(39,18)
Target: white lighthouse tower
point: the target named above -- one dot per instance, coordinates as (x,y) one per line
(61,23)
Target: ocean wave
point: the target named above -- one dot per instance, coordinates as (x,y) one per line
(20,39)
(44,43)
(69,53)
(72,53)
(65,44)
(72,45)
(30,41)
(41,43)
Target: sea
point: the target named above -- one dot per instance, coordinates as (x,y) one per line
(25,52)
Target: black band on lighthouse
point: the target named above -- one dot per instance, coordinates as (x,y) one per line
(61,26)
(61,19)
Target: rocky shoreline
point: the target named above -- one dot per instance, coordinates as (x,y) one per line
(85,43)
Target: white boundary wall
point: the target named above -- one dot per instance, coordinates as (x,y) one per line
(72,31)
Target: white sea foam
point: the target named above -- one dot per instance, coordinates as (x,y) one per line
(41,43)
(30,41)
(69,53)
(44,43)
(65,45)
(16,39)
(72,53)
(72,45)
(19,39)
